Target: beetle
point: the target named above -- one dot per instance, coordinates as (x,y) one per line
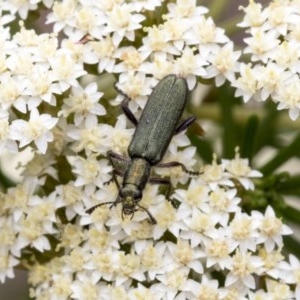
(154,130)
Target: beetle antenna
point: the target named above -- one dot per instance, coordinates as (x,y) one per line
(91,209)
(152,219)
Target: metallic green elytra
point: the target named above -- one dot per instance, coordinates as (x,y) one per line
(154,130)
(159,120)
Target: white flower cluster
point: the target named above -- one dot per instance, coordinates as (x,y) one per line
(11,9)
(274,49)
(185,43)
(102,256)
(45,106)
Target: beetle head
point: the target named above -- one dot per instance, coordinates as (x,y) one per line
(130,196)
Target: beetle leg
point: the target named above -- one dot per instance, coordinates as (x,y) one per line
(164,181)
(130,116)
(120,91)
(184,124)
(124,104)
(113,158)
(172,164)
(167,183)
(152,219)
(115,173)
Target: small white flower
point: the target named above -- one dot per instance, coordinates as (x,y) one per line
(159,66)
(62,14)
(194,196)
(155,41)
(244,230)
(118,137)
(7,264)
(279,289)
(223,64)
(287,56)
(12,92)
(290,272)
(190,63)
(215,175)
(281,16)
(66,70)
(71,197)
(239,168)
(243,267)
(247,84)
(221,203)
(255,16)
(271,228)
(206,289)
(131,60)
(101,51)
(261,45)
(83,102)
(36,130)
(90,136)
(173,281)
(84,288)
(183,254)
(288,97)
(274,264)
(137,87)
(20,7)
(186,9)
(5,141)
(38,222)
(41,87)
(91,172)
(218,248)
(271,79)
(46,47)
(20,63)
(122,22)
(205,34)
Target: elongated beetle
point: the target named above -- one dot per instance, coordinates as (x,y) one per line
(154,131)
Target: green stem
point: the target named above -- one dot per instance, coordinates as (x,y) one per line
(230,25)
(282,156)
(217,7)
(248,147)
(290,186)
(227,123)
(241,115)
